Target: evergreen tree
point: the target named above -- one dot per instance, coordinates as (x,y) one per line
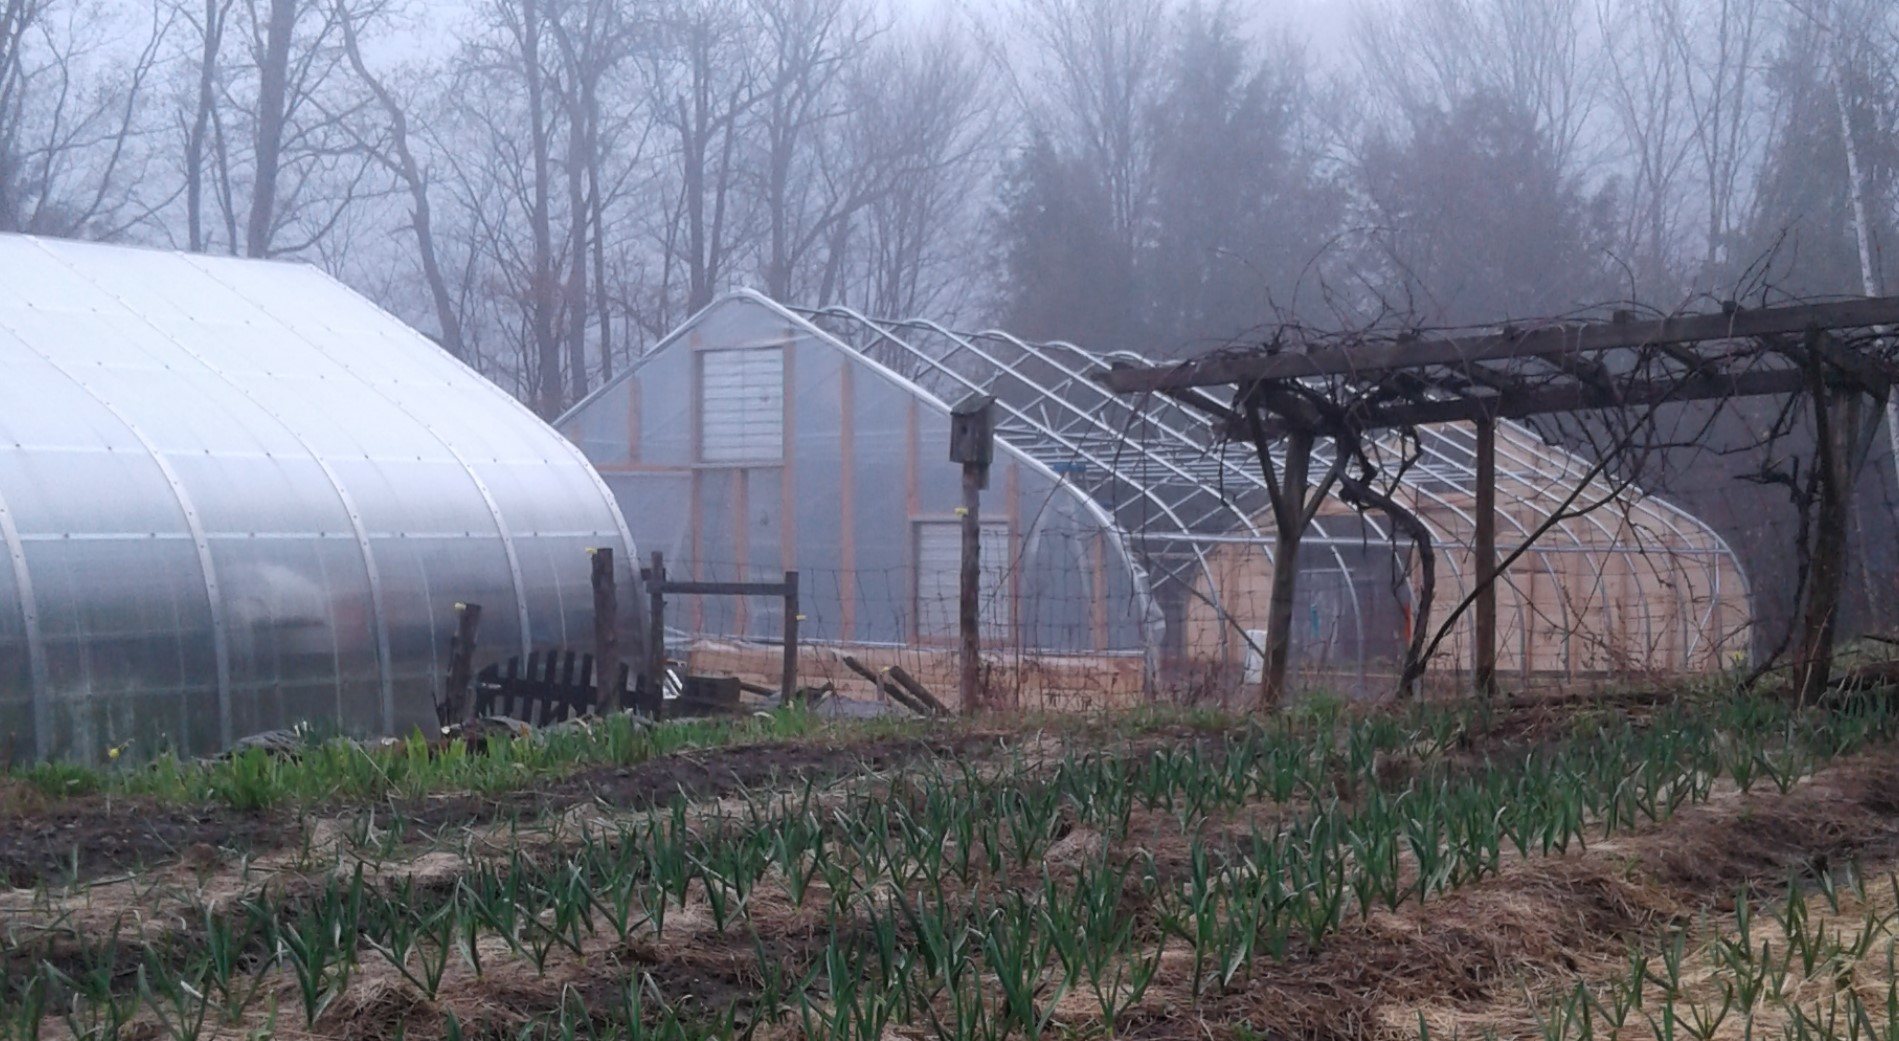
(1475,219)
(1803,214)
(1235,207)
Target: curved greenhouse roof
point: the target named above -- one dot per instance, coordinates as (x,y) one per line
(235,495)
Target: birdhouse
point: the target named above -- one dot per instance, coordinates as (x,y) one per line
(973,431)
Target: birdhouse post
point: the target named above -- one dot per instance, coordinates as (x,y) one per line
(972,443)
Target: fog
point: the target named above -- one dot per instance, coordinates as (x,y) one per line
(548,186)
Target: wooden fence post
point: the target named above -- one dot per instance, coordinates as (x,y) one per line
(791,637)
(606,633)
(458,699)
(969,593)
(972,443)
(656,636)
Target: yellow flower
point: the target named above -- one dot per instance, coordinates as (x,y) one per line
(113,752)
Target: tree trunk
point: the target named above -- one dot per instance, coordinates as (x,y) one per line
(1289,531)
(596,207)
(1363,496)
(1836,414)
(692,123)
(406,167)
(201,123)
(272,110)
(1843,439)
(715,241)
(1862,223)
(778,206)
(227,197)
(446,315)
(834,267)
(15,18)
(575,307)
(542,288)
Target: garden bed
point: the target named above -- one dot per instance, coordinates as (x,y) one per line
(1646,866)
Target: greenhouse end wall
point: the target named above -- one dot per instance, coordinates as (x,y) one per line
(817,460)
(237,496)
(1633,587)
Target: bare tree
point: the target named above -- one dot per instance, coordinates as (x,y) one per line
(593,40)
(272,115)
(395,153)
(74,85)
(704,84)
(921,115)
(503,160)
(809,45)
(1841,26)
(524,22)
(1419,56)
(1644,85)
(1100,74)
(269,163)
(208,24)
(1721,89)
(1683,84)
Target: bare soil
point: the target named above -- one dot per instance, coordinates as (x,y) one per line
(707,774)
(85,839)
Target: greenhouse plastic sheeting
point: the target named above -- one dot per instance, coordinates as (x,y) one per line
(235,495)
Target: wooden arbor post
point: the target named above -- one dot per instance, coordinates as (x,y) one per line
(1484,653)
(1290,519)
(1843,437)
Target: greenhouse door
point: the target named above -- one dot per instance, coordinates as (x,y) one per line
(939,573)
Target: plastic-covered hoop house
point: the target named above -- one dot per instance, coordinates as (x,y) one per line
(1639,585)
(1634,585)
(753,441)
(235,495)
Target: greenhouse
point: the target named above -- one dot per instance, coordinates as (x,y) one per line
(236,495)
(1124,549)
(1637,586)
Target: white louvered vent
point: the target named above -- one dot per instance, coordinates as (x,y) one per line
(742,405)
(939,574)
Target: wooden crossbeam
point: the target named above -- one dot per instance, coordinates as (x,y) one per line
(1588,371)
(1200,400)
(1287,411)
(1548,341)
(1538,402)
(1414,386)
(1869,372)
(1579,398)
(1684,357)
(1497,381)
